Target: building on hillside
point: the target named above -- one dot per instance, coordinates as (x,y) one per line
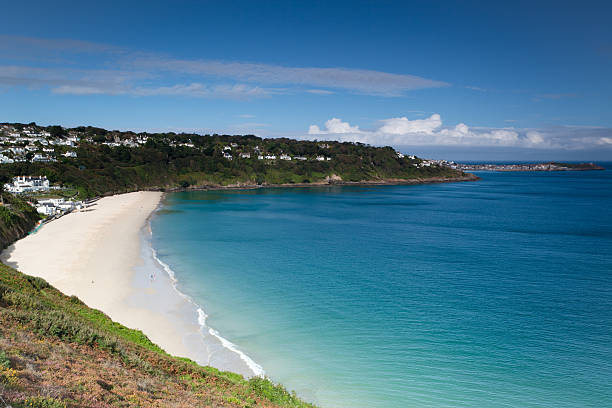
(41,158)
(54,206)
(46,209)
(26,184)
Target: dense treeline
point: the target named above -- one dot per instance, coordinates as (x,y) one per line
(171,160)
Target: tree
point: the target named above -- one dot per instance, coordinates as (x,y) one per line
(56,131)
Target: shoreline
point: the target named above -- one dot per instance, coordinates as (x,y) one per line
(326,183)
(103,257)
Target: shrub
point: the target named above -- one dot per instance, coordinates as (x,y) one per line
(275,393)
(4,361)
(66,327)
(37,283)
(20,300)
(43,402)
(74,299)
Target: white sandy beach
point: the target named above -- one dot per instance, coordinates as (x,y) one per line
(98,255)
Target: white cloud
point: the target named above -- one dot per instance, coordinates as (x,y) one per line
(431,132)
(80,90)
(120,82)
(403,126)
(534,137)
(320,91)
(355,80)
(334,126)
(200,90)
(605,140)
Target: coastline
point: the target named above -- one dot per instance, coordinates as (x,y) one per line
(330,182)
(103,256)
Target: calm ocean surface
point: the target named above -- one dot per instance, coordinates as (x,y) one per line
(496,293)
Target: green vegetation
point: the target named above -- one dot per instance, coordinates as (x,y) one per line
(17,218)
(52,341)
(56,352)
(113,162)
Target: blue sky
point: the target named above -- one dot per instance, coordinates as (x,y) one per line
(458,80)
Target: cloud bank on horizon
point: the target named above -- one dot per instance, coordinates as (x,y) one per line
(430,131)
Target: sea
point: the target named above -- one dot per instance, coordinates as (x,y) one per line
(494,293)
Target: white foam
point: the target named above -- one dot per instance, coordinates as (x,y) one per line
(257,370)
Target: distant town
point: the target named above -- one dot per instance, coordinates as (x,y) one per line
(550,166)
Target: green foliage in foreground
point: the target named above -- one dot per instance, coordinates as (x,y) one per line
(39,308)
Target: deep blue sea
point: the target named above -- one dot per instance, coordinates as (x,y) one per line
(495,293)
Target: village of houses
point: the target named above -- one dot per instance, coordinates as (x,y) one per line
(31,143)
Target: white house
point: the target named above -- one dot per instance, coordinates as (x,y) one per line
(46,209)
(227,156)
(271,157)
(55,202)
(23,184)
(245,155)
(70,154)
(52,206)
(285,157)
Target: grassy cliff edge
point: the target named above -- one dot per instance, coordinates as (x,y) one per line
(57,352)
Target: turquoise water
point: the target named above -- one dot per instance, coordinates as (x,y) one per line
(496,293)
